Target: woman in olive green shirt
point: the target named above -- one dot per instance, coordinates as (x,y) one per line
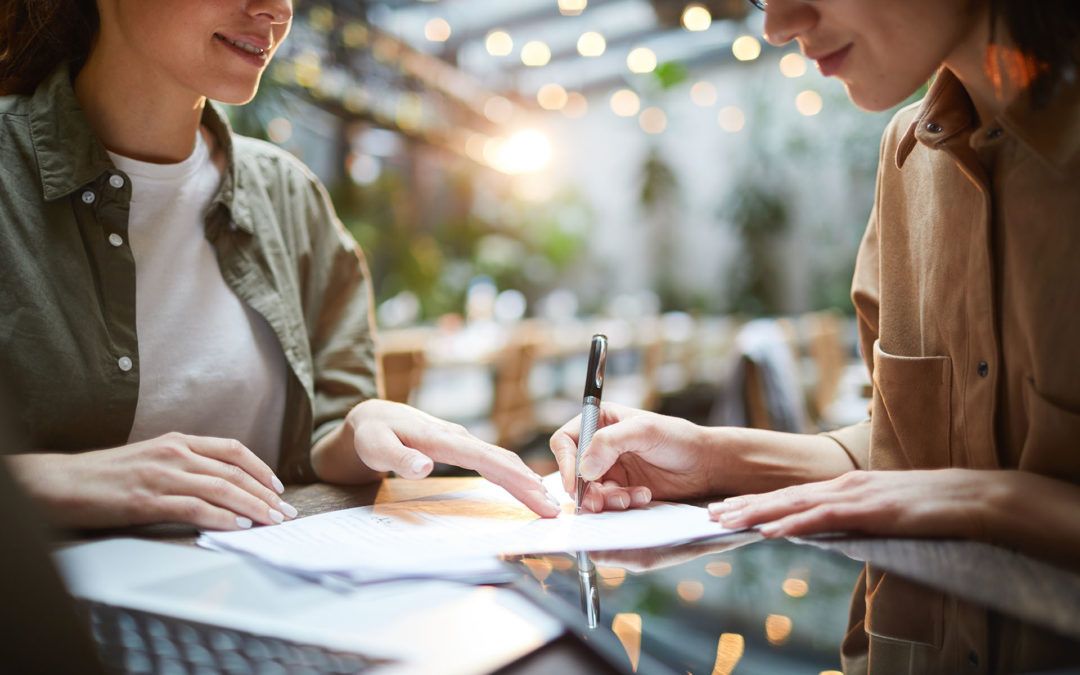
(93,86)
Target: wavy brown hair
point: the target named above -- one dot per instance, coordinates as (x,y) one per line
(38,35)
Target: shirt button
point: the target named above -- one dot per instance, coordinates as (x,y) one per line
(116,180)
(984,369)
(116,240)
(934,127)
(124,363)
(88,197)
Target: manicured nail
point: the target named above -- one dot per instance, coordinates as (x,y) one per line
(717,508)
(287,509)
(243,523)
(641,497)
(551,499)
(769,529)
(420,466)
(277,484)
(276,516)
(621,501)
(590,469)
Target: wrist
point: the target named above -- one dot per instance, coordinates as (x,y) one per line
(334,458)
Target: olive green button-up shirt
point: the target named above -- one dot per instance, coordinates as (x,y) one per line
(69,350)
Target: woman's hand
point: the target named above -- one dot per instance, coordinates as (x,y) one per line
(388,436)
(212,483)
(955,503)
(636,456)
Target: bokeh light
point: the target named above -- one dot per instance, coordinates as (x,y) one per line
(696,18)
(535,53)
(625,103)
(653,120)
(690,590)
(551,97)
(746,48)
(641,60)
(796,588)
(777,628)
(729,650)
(576,105)
(627,627)
(525,151)
(498,109)
(793,65)
(279,130)
(808,102)
(499,43)
(703,94)
(718,568)
(591,43)
(731,119)
(572,7)
(437,30)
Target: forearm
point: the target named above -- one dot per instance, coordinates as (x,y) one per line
(1036,515)
(335,460)
(756,460)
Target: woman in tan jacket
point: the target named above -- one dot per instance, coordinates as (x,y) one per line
(967,292)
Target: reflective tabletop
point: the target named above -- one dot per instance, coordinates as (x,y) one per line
(747,605)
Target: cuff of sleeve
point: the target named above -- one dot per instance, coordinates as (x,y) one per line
(855,440)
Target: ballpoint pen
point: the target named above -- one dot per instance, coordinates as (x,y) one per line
(590,409)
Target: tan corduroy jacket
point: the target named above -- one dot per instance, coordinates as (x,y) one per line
(967,291)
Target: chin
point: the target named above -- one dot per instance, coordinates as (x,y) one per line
(233,93)
(873,99)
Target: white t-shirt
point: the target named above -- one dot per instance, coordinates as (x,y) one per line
(208,364)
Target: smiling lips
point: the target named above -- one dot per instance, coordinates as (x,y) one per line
(246,46)
(831,62)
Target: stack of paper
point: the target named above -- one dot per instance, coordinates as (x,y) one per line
(456,535)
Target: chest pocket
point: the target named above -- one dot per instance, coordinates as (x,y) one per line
(911,411)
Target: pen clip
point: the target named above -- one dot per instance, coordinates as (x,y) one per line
(594,382)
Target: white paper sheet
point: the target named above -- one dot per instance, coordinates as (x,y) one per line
(457,533)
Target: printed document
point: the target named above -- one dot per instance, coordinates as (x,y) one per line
(457,533)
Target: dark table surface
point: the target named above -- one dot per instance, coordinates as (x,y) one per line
(741,602)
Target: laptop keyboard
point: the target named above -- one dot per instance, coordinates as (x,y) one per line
(132,641)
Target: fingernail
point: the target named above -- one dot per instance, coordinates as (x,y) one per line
(276,516)
(590,469)
(731,517)
(719,507)
(622,502)
(287,509)
(769,529)
(420,465)
(554,502)
(243,523)
(277,484)
(735,502)
(640,497)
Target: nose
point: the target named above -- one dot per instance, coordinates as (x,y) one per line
(785,20)
(278,11)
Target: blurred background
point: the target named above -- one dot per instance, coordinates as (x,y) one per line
(523,174)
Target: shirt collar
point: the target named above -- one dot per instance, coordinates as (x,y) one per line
(70,155)
(1051,131)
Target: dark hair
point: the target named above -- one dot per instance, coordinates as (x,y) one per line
(38,35)
(1047,38)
